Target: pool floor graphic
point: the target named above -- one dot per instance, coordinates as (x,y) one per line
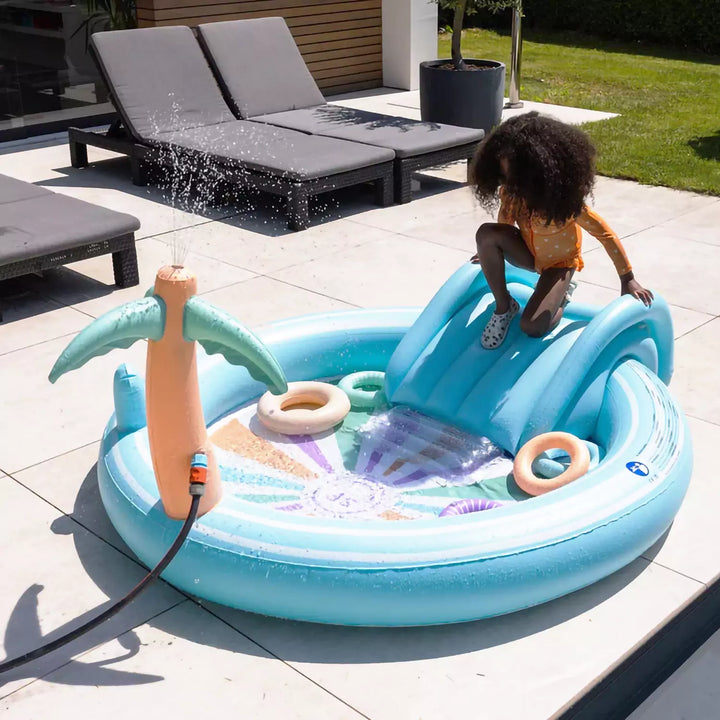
(394,465)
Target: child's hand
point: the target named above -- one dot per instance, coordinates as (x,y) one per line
(630,286)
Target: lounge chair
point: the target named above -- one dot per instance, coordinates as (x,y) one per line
(173,111)
(40,229)
(265,79)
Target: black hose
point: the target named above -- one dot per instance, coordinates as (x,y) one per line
(120,604)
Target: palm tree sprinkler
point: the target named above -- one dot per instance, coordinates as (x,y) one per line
(171,317)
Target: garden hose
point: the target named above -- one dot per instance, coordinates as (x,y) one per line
(198,473)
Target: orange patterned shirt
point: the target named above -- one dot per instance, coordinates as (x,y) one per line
(559,245)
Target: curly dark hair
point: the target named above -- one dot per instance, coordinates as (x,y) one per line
(551,166)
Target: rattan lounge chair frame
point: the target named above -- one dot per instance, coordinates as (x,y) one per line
(298,193)
(124,260)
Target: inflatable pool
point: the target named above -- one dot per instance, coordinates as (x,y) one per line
(368,523)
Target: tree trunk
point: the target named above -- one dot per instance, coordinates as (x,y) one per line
(458,20)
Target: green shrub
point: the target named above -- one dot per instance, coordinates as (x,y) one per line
(692,24)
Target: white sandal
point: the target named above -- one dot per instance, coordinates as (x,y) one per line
(497,327)
(568,293)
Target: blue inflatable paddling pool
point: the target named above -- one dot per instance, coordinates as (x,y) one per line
(366,524)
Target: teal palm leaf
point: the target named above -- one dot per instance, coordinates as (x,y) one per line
(219,332)
(118,328)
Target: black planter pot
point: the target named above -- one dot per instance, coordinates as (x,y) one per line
(469,98)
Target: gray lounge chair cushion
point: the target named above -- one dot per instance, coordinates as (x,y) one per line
(259,65)
(160,80)
(266,148)
(45,223)
(265,79)
(12,190)
(407,138)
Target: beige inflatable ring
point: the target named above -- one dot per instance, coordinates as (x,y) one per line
(307,407)
(522,466)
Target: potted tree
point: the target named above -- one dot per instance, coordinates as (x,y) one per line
(459,91)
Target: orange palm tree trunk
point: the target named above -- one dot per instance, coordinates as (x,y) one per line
(175,422)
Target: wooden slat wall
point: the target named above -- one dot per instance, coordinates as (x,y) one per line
(341,40)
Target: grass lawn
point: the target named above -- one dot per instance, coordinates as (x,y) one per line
(668,132)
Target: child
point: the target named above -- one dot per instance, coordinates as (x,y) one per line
(542,170)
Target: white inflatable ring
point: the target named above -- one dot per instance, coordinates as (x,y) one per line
(522,466)
(307,407)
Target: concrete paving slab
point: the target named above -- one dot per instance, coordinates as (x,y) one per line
(629,207)
(190,663)
(406,103)
(29,317)
(434,210)
(456,231)
(684,320)
(257,253)
(518,666)
(279,300)
(89,286)
(668,266)
(61,575)
(69,483)
(697,375)
(392,271)
(570,115)
(40,420)
(701,225)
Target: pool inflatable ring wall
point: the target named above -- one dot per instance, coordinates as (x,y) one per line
(455,568)
(355,386)
(328,405)
(534,485)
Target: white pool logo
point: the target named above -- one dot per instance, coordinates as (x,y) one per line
(638,468)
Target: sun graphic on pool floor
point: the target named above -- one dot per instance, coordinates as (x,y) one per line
(395,464)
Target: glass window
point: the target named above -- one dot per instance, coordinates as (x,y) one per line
(46,72)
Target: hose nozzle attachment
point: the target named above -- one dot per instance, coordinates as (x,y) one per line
(198,474)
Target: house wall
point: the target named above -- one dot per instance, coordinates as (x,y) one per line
(409,29)
(340,40)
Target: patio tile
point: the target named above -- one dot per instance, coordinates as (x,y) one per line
(232,243)
(89,285)
(32,162)
(41,421)
(697,375)
(691,693)
(30,318)
(457,231)
(263,300)
(432,210)
(189,663)
(684,320)
(702,225)
(682,271)
(629,207)
(392,271)
(690,546)
(69,482)
(439,672)
(573,116)
(55,580)
(407,104)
